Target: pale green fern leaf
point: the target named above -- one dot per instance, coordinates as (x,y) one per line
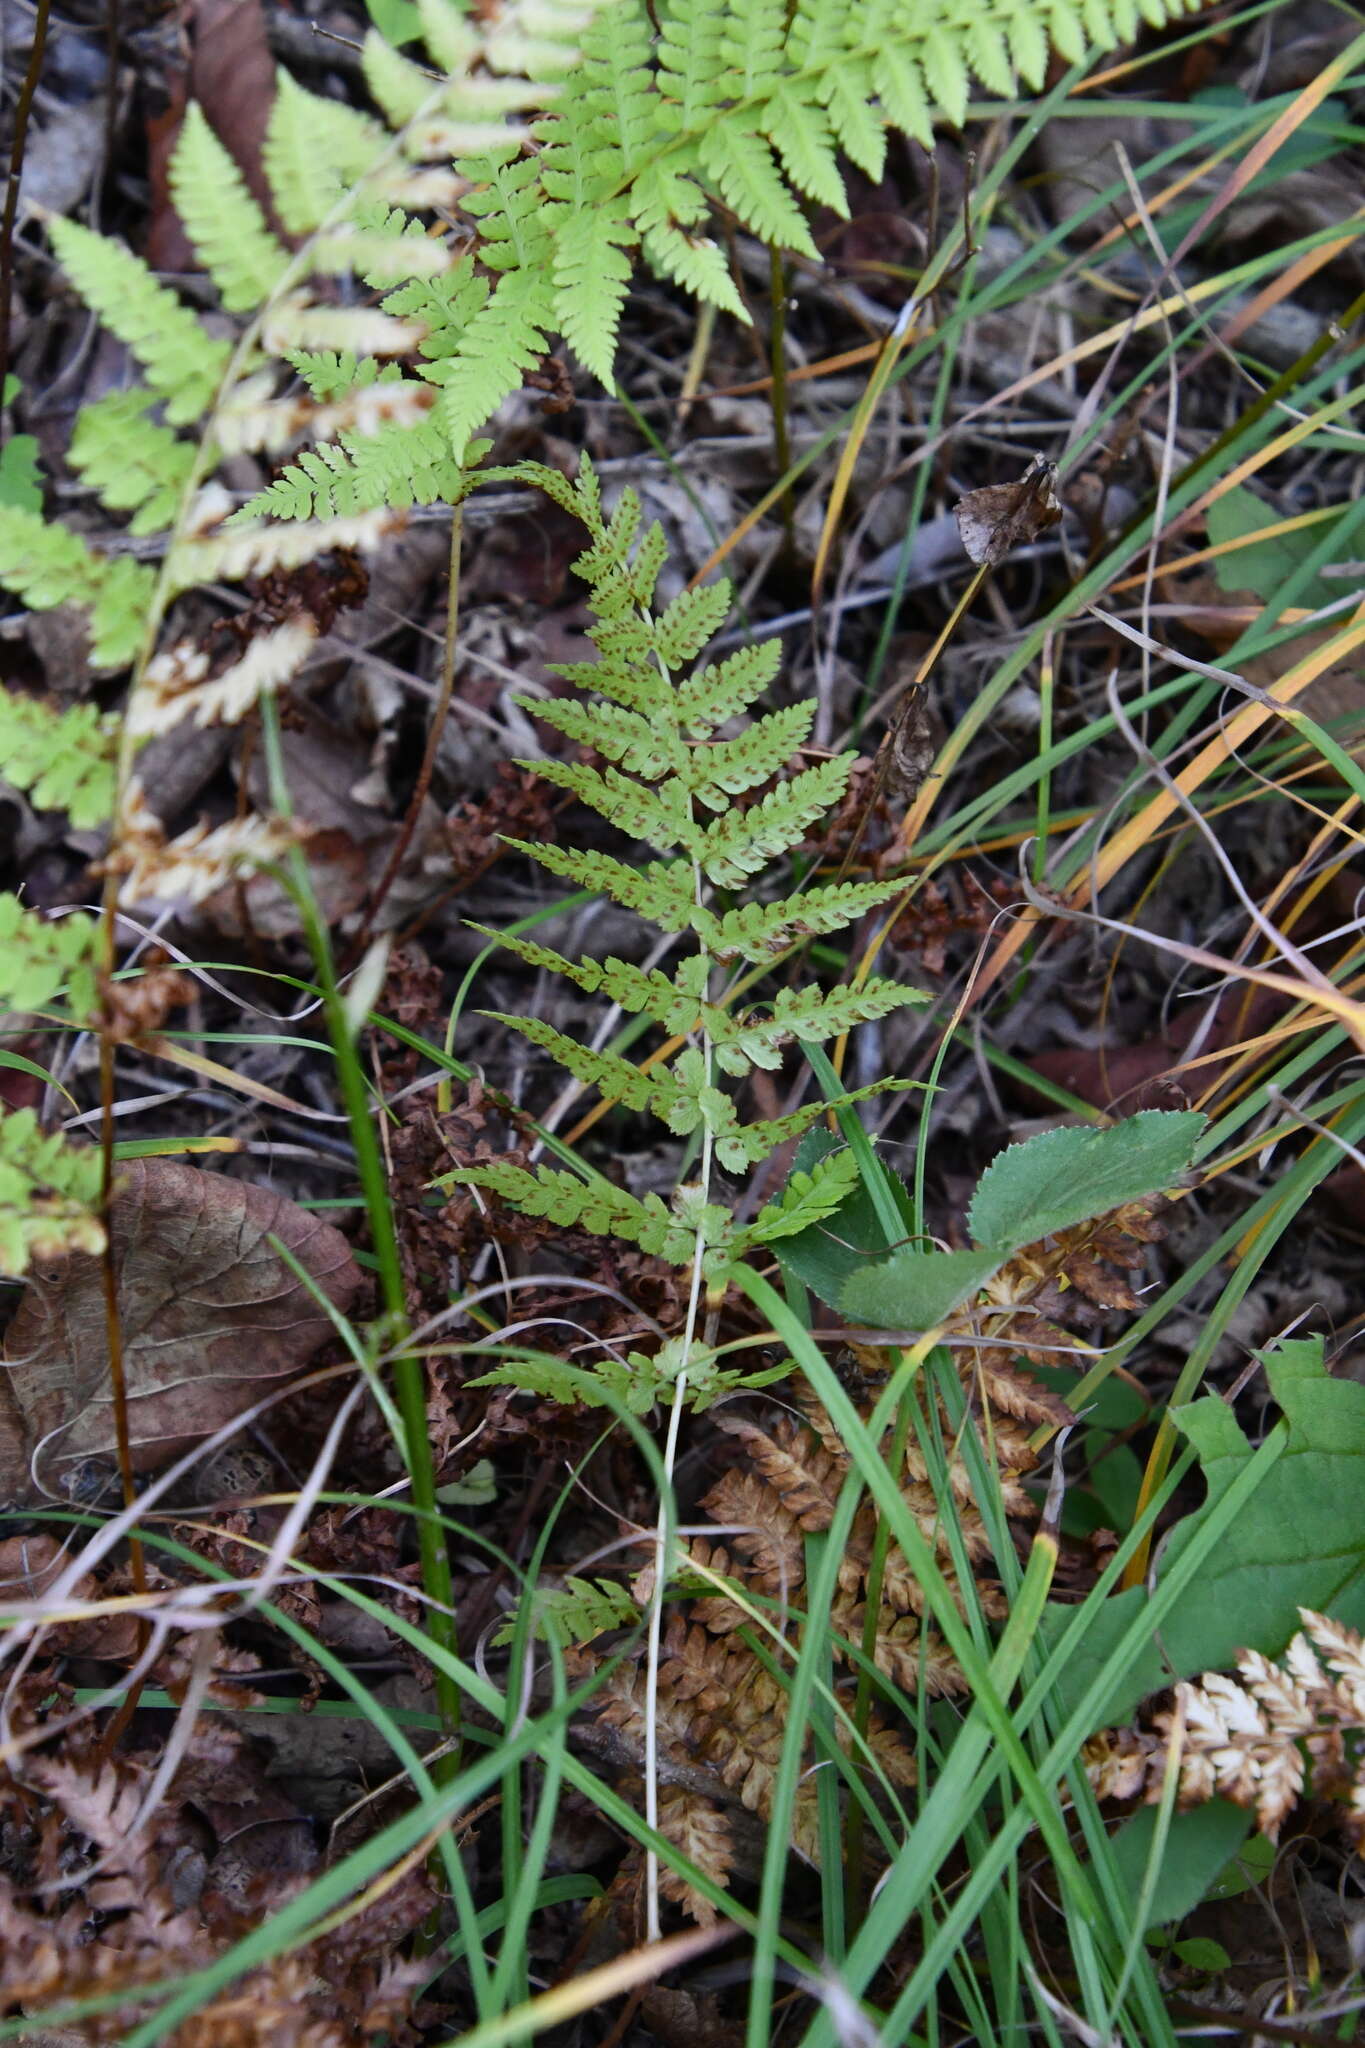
(591,278)
(315,149)
(660,817)
(743,843)
(676,1005)
(580,1609)
(715,693)
(945,74)
(40,961)
(758,931)
(690,621)
(448,35)
(223,221)
(47,566)
(750,1143)
(813,1014)
(808,1198)
(399,465)
(805,142)
(662,891)
(132,464)
(49,1194)
(988,55)
(695,263)
(742,168)
(397,85)
(183,364)
(611,1075)
(717,773)
(1027,39)
(622,736)
(902,90)
(847,92)
(62,760)
(507,337)
(577,1204)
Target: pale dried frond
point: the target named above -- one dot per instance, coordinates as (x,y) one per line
(174,688)
(192,867)
(696,1826)
(229,557)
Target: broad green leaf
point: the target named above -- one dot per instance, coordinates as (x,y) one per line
(914,1290)
(1198,1847)
(1267,565)
(1300,1542)
(1064,1177)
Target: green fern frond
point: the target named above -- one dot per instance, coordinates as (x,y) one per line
(674,1003)
(315,150)
(813,1014)
(758,931)
(596,1207)
(657,816)
(808,1198)
(47,566)
(750,1143)
(507,337)
(662,891)
(183,363)
(580,1609)
(49,1194)
(606,1071)
(399,466)
(730,767)
(626,737)
(133,464)
(225,225)
(39,961)
(713,694)
(62,760)
(743,843)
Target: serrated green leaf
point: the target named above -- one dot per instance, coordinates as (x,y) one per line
(1064,1177)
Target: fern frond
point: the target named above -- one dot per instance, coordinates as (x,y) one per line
(675,1004)
(743,843)
(506,337)
(747,1144)
(403,463)
(730,767)
(47,566)
(657,816)
(130,462)
(49,1193)
(807,1198)
(711,695)
(758,931)
(62,760)
(225,225)
(183,363)
(634,742)
(39,961)
(236,552)
(578,1610)
(810,1013)
(601,1209)
(662,891)
(315,150)
(615,1077)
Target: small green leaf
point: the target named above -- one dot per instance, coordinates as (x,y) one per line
(398,21)
(21,480)
(915,1290)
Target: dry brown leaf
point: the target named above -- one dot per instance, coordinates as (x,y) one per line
(209,1313)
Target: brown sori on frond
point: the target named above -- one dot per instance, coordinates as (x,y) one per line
(1281,1730)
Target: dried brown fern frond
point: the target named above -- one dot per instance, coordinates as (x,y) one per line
(1281,1731)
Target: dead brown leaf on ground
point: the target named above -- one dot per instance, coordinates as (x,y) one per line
(209,1310)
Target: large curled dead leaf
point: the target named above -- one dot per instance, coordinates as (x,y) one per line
(209,1311)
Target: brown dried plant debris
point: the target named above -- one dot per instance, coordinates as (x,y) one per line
(1282,1730)
(210,1314)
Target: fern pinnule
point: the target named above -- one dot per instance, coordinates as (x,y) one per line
(132,464)
(40,961)
(49,1194)
(183,363)
(46,566)
(62,760)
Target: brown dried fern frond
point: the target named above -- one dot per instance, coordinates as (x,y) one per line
(1281,1731)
